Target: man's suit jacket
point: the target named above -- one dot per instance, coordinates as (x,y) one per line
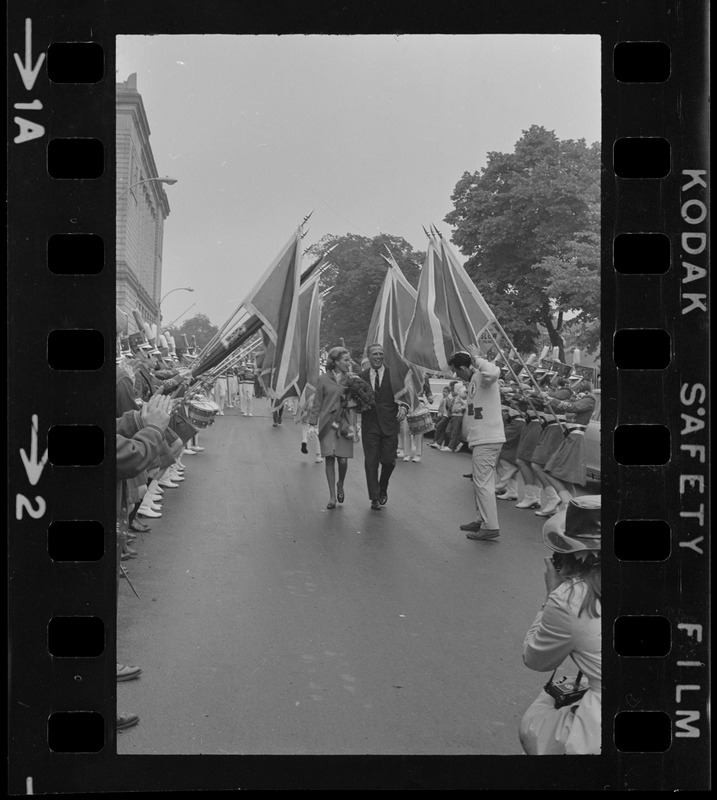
(382,417)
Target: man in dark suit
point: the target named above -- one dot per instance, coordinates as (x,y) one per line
(379,428)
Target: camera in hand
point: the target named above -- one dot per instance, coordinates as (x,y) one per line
(557,559)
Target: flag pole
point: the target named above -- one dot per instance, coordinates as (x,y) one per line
(508,364)
(124,572)
(530,374)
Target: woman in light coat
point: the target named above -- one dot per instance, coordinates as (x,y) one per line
(568,626)
(323,420)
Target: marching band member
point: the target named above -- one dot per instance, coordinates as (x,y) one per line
(567,467)
(550,440)
(513,423)
(529,437)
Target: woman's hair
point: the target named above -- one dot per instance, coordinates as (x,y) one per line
(334,356)
(584,566)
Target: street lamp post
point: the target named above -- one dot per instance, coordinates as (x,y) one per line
(168,181)
(159,307)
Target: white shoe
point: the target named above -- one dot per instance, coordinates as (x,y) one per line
(531,498)
(176,476)
(319,459)
(507,496)
(417,459)
(197,448)
(188,452)
(550,508)
(147,512)
(155,507)
(407,458)
(445,449)
(399,454)
(159,490)
(168,484)
(250,414)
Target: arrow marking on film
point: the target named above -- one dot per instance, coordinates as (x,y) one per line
(33,467)
(28,73)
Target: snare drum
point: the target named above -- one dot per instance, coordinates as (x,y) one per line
(201,413)
(419,422)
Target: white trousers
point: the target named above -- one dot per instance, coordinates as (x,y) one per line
(310,437)
(246,394)
(484,459)
(506,476)
(408,443)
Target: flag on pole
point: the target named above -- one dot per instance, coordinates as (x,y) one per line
(310,326)
(469,302)
(242,325)
(378,316)
(406,378)
(405,295)
(405,298)
(275,302)
(427,342)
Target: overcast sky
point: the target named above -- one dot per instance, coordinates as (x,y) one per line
(372,133)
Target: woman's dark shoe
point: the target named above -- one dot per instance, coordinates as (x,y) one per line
(340,492)
(304,448)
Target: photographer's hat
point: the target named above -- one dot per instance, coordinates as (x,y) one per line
(577,528)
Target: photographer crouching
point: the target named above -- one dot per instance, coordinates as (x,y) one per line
(565,717)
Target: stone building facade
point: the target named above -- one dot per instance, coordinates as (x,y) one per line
(141,210)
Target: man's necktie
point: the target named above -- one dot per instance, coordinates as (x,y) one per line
(376,384)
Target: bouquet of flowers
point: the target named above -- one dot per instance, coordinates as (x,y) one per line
(358,394)
(357,397)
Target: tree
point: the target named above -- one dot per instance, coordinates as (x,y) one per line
(529,222)
(199,326)
(573,280)
(353,281)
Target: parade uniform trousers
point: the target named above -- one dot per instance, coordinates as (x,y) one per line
(484,460)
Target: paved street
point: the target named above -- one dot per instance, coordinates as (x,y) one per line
(267,624)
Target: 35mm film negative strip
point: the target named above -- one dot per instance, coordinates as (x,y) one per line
(69,168)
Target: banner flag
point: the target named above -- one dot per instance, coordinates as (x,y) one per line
(405,298)
(310,327)
(270,305)
(405,295)
(427,342)
(472,303)
(406,379)
(244,322)
(378,315)
(450,313)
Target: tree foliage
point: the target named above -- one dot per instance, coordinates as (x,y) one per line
(199,326)
(530,222)
(353,281)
